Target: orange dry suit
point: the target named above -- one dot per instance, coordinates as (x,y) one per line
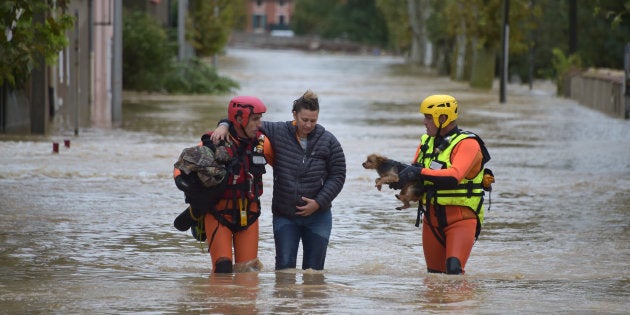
(234,217)
(453,171)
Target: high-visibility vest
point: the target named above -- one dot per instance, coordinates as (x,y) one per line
(469,192)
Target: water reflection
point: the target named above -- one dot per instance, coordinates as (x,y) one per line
(90,228)
(231,294)
(441,292)
(300,290)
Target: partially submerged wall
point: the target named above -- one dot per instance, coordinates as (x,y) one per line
(600,89)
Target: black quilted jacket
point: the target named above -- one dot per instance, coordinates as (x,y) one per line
(317,173)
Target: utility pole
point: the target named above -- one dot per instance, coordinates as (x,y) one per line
(182,9)
(77,107)
(626,67)
(117,65)
(573,39)
(505,44)
(215,59)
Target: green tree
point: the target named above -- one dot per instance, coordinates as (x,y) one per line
(603,27)
(211,22)
(616,11)
(442,40)
(311,16)
(149,62)
(603,31)
(476,27)
(355,20)
(147,52)
(397,21)
(31,32)
(358,21)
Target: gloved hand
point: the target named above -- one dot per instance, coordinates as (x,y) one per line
(188,182)
(181,183)
(410,173)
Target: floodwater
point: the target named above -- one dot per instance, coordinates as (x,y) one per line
(89,230)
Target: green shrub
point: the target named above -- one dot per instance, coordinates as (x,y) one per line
(149,62)
(196,77)
(563,66)
(147,53)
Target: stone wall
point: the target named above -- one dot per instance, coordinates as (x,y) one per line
(600,89)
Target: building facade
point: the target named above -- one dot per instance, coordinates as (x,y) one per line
(265,16)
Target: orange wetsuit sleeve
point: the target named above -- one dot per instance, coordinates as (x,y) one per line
(415,157)
(268,150)
(465,162)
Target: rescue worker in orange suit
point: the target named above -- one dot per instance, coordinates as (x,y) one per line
(449,164)
(234,218)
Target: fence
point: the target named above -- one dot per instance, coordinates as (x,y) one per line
(600,89)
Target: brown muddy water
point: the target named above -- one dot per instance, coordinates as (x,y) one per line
(89,230)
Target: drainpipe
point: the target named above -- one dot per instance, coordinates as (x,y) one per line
(76,71)
(117,65)
(182,11)
(505,40)
(91,55)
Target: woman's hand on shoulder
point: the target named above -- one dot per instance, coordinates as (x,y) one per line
(220,133)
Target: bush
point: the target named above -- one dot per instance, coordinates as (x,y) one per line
(194,76)
(149,62)
(147,53)
(563,66)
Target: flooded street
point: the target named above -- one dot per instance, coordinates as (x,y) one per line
(89,230)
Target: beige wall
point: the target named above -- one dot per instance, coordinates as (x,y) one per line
(600,89)
(102,63)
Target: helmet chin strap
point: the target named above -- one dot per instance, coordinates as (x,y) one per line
(240,131)
(439,131)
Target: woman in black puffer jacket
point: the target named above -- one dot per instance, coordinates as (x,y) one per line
(309,170)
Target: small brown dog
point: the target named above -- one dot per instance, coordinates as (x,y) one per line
(387,170)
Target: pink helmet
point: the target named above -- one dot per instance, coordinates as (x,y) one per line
(244,106)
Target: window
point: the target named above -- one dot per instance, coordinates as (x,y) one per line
(258,21)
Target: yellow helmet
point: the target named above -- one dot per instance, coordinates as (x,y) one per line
(437,105)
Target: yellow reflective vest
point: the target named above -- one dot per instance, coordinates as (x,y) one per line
(469,192)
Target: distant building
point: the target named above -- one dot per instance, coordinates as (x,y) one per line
(264,16)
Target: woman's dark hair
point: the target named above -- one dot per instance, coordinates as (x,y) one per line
(307,101)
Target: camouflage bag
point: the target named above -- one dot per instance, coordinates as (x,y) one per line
(204,174)
(208,165)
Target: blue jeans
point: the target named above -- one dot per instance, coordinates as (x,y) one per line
(314,231)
